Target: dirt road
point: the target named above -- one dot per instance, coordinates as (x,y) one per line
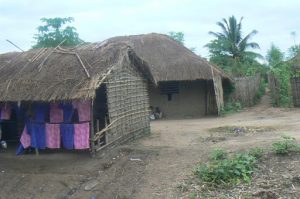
(151,167)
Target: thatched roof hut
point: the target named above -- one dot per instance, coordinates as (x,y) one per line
(108,76)
(63,74)
(169,60)
(194,83)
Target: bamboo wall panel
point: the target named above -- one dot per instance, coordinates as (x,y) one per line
(128,103)
(246,90)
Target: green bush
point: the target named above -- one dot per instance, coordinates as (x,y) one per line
(218,154)
(256,152)
(231,107)
(229,170)
(285,146)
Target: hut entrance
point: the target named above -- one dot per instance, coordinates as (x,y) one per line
(101,119)
(9,127)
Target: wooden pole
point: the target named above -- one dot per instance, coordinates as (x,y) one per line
(92,131)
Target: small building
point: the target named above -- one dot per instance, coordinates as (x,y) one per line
(186,84)
(87,97)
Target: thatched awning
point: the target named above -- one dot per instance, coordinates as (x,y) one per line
(63,74)
(168,60)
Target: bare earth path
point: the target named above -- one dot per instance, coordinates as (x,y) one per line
(151,167)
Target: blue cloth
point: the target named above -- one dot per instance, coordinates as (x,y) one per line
(20,150)
(38,135)
(68,110)
(16,108)
(67,135)
(41,111)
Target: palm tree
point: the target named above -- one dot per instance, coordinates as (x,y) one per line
(231,43)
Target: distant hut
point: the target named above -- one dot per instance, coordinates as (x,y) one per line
(186,84)
(104,84)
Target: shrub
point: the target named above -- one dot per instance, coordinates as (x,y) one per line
(285,146)
(256,152)
(218,154)
(231,107)
(228,171)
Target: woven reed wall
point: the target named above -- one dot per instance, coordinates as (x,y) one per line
(246,89)
(128,104)
(211,105)
(274,86)
(295,84)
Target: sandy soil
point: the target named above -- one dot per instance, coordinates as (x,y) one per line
(151,167)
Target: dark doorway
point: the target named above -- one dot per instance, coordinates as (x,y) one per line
(101,119)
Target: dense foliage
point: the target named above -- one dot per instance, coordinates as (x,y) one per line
(55,32)
(282,72)
(223,170)
(285,146)
(231,51)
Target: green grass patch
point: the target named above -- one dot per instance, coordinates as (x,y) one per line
(285,146)
(224,170)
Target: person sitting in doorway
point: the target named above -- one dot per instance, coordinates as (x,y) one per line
(152,114)
(157,113)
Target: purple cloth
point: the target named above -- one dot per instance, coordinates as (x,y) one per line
(25,138)
(82,136)
(84,109)
(67,135)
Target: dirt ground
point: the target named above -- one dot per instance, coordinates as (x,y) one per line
(151,167)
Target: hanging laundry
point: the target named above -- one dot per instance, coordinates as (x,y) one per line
(84,109)
(25,138)
(82,136)
(67,135)
(52,136)
(68,111)
(41,111)
(56,113)
(38,135)
(5,112)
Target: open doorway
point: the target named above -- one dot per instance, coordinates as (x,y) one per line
(101,119)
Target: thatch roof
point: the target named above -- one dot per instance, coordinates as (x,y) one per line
(59,74)
(167,59)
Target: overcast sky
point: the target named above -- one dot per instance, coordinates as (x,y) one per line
(97,20)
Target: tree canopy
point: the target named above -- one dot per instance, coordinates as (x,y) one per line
(230,48)
(55,31)
(274,55)
(177,36)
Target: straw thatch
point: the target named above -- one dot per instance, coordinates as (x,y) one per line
(63,74)
(168,60)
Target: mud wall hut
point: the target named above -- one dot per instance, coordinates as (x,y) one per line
(108,81)
(186,85)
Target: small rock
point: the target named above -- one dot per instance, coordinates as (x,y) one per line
(90,185)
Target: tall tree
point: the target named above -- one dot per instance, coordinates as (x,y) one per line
(294,49)
(274,56)
(177,36)
(231,43)
(54,31)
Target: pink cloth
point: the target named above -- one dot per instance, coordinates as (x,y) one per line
(56,113)
(84,109)
(52,136)
(25,138)
(5,112)
(82,136)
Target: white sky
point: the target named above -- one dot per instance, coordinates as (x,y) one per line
(97,20)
